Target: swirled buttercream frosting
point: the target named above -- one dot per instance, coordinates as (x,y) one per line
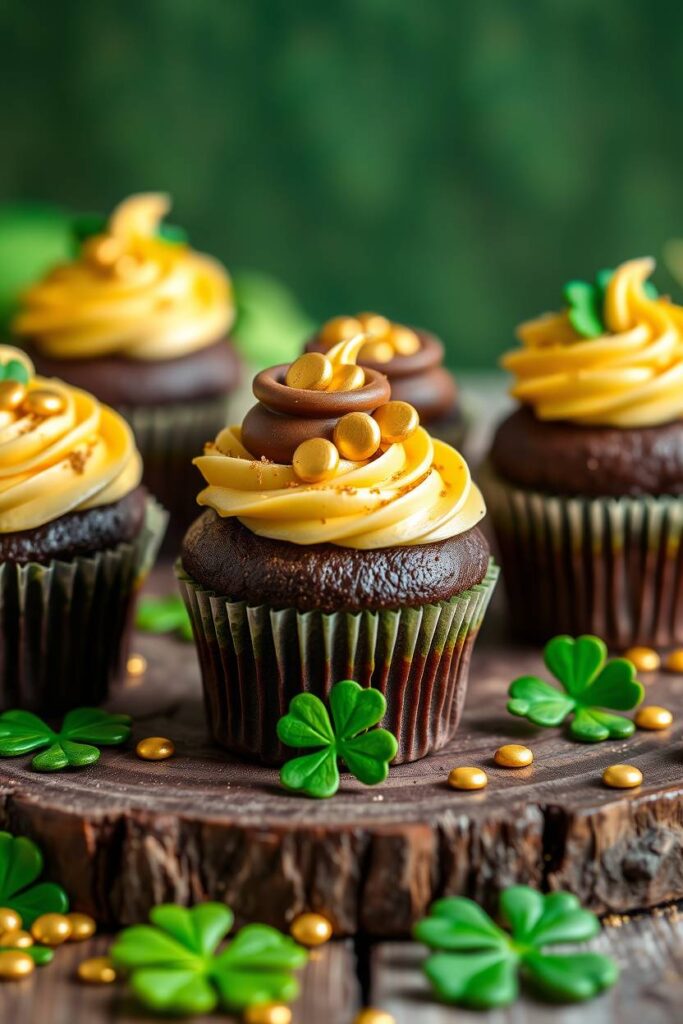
(60,450)
(131,292)
(630,375)
(413,491)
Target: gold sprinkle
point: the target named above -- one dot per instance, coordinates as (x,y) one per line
(315,460)
(397,421)
(268,1013)
(622,776)
(645,659)
(155,748)
(312,372)
(15,965)
(467,778)
(97,970)
(10,921)
(357,436)
(12,394)
(102,250)
(136,665)
(51,929)
(370,1015)
(653,717)
(311,930)
(674,661)
(82,927)
(44,402)
(18,939)
(513,755)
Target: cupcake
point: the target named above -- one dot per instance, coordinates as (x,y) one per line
(412,359)
(339,540)
(77,536)
(585,478)
(140,320)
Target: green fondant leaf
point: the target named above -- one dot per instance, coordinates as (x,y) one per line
(572,978)
(164,615)
(21,863)
(315,775)
(307,724)
(22,732)
(368,756)
(355,709)
(480,980)
(615,687)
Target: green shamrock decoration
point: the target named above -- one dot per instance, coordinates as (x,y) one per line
(590,683)
(478,964)
(164,615)
(22,732)
(174,966)
(366,753)
(586,303)
(21,863)
(14,369)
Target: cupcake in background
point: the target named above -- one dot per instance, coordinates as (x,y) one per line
(77,536)
(585,479)
(141,320)
(412,359)
(339,540)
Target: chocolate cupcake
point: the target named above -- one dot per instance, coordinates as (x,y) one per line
(77,536)
(412,359)
(585,480)
(141,320)
(339,541)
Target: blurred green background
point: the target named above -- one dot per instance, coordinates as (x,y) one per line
(450,164)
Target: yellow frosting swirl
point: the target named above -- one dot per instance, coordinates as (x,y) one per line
(130,293)
(416,492)
(81,457)
(632,376)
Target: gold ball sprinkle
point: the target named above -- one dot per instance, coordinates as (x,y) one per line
(340,328)
(622,776)
(136,665)
(357,436)
(315,460)
(372,1016)
(375,324)
(18,939)
(397,421)
(349,377)
(674,661)
(43,402)
(15,965)
(513,755)
(155,748)
(12,394)
(467,778)
(312,372)
(645,659)
(377,352)
(653,717)
(10,921)
(268,1013)
(405,341)
(82,927)
(102,250)
(311,930)
(97,970)
(51,929)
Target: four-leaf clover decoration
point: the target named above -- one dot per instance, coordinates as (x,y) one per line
(354,712)
(174,965)
(164,615)
(590,683)
(21,863)
(478,963)
(586,301)
(71,747)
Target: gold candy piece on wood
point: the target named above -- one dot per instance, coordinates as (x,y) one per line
(18,939)
(674,661)
(404,340)
(622,776)
(97,970)
(465,777)
(311,930)
(340,328)
(348,377)
(312,372)
(315,460)
(357,436)
(10,921)
(43,402)
(15,965)
(653,717)
(12,394)
(268,1013)
(513,755)
(645,659)
(370,1015)
(51,929)
(155,748)
(83,926)
(136,665)
(397,421)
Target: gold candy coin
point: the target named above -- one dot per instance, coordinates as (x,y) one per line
(82,927)
(311,929)
(340,328)
(467,778)
(51,929)
(622,776)
(97,970)
(375,324)
(348,377)
(43,402)
(155,748)
(674,661)
(315,460)
(312,372)
(377,352)
(372,1016)
(12,394)
(357,436)
(268,1013)
(645,659)
(15,965)
(18,939)
(405,341)
(397,421)
(513,755)
(652,716)
(10,921)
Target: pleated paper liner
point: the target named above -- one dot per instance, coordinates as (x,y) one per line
(608,566)
(169,437)
(64,625)
(255,659)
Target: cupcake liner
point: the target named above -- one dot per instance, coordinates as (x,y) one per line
(64,625)
(168,438)
(609,566)
(255,659)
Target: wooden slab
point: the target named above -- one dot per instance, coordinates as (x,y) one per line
(126,834)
